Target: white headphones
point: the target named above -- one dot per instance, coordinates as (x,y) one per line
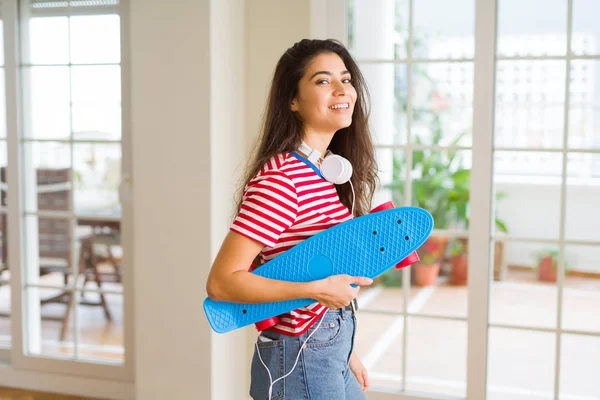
(335,169)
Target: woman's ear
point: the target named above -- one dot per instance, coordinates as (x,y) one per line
(294,105)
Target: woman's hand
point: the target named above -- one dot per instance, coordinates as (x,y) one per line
(335,291)
(359,370)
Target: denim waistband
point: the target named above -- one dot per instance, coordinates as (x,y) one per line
(345,311)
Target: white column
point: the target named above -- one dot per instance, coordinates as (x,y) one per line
(171,178)
(481,254)
(374,40)
(230,369)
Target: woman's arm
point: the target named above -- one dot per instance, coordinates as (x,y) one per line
(229,279)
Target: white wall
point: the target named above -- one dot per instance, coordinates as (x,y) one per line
(272,26)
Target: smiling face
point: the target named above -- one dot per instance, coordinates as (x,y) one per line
(326,97)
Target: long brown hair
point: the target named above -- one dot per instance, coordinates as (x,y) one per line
(281,130)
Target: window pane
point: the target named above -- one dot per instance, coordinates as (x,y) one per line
(579,357)
(581,293)
(439,363)
(1,42)
(379,345)
(2,104)
(49,322)
(586,31)
(583,197)
(47,176)
(441,185)
(388,89)
(520,364)
(48,258)
(530,101)
(101,329)
(525,292)
(48,41)
(435,36)
(95,39)
(96,102)
(47,113)
(584,106)
(378,29)
(97,178)
(525,31)
(5,296)
(442,103)
(528,184)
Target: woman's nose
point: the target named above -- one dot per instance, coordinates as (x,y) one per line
(339,89)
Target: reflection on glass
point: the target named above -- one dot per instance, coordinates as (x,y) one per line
(95,39)
(584,106)
(48,100)
(98,174)
(578,357)
(581,293)
(377,29)
(520,363)
(583,197)
(525,31)
(530,99)
(585,39)
(435,36)
(438,364)
(101,331)
(442,104)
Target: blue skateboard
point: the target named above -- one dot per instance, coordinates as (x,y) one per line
(365,246)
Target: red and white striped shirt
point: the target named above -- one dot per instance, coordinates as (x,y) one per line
(287,202)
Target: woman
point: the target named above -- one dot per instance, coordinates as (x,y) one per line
(317,104)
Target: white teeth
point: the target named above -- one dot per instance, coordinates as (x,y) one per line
(343,105)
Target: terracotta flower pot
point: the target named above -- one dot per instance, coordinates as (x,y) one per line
(426,274)
(460,269)
(547,270)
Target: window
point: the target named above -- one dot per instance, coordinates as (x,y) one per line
(543,155)
(69,154)
(418,64)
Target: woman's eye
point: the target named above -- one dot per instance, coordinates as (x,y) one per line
(320,82)
(347,80)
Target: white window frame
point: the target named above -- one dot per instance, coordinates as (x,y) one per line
(16,355)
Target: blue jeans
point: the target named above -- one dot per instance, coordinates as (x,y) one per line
(322,372)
